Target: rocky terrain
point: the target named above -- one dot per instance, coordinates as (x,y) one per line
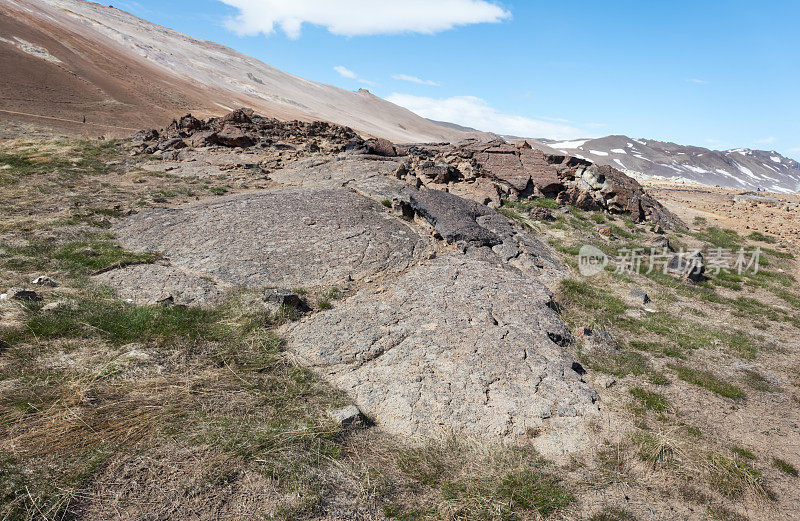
(62,59)
(741,168)
(239,316)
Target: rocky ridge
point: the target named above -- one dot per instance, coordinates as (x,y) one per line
(449,326)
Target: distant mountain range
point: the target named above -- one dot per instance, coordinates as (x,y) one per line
(738,168)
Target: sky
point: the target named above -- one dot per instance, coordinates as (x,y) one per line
(719,74)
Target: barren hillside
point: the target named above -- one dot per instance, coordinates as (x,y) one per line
(63,59)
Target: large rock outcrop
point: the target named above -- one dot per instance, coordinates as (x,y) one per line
(462,344)
(489,172)
(285,237)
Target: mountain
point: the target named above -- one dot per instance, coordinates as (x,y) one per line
(62,59)
(738,168)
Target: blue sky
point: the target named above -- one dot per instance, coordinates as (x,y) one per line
(712,73)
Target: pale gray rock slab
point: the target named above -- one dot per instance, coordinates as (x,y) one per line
(148,284)
(279,238)
(458,344)
(333,173)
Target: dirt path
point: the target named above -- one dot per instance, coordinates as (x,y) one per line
(79,122)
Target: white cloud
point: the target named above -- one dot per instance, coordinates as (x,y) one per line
(474,112)
(361,17)
(347,73)
(766,141)
(344,71)
(698,81)
(414,79)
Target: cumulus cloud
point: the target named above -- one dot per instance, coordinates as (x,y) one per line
(360,17)
(697,81)
(475,112)
(414,79)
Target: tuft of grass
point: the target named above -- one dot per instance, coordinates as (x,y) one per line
(218,190)
(785,467)
(731,477)
(387,203)
(657,449)
(650,400)
(708,381)
(544,202)
(744,453)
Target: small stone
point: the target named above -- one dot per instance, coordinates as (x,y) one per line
(283,297)
(345,416)
(639,296)
(4,296)
(54,306)
(44,281)
(24,294)
(4,346)
(165,300)
(604,230)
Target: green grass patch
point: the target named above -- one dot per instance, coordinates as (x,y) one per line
(785,467)
(77,258)
(761,237)
(650,400)
(709,381)
(589,296)
(741,452)
(731,477)
(123,323)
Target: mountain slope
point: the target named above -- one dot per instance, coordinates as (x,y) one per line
(738,168)
(67,58)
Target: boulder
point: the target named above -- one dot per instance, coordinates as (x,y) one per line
(237,116)
(541,214)
(202,138)
(688,265)
(24,295)
(173,143)
(659,243)
(232,136)
(145,135)
(381,147)
(190,123)
(452,217)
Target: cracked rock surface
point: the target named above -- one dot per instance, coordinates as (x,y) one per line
(284,237)
(459,344)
